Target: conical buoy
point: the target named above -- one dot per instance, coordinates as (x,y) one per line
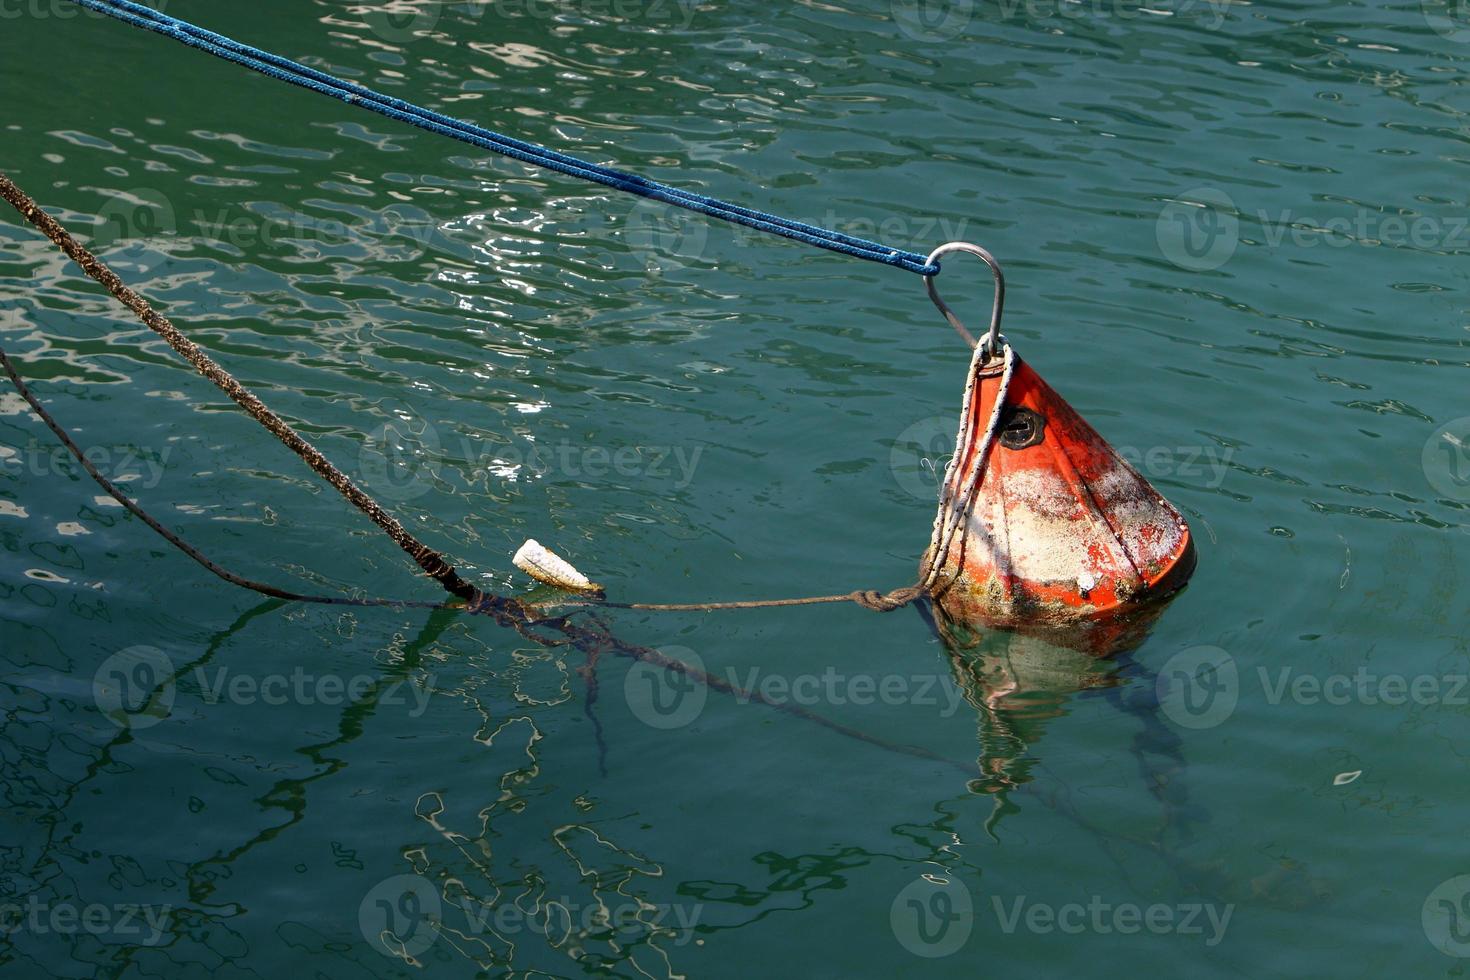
(1042,525)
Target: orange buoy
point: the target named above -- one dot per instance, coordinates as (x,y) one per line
(1041,524)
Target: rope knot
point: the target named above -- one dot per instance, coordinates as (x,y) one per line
(885,601)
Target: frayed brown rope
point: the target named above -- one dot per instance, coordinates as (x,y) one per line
(433,563)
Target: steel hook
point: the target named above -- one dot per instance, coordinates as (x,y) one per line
(992,339)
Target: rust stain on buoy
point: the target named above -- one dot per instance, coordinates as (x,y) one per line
(1059,532)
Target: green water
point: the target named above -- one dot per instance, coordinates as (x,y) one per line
(1235,236)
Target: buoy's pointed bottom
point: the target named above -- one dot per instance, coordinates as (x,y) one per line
(966,612)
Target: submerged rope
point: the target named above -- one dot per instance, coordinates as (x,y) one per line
(594,640)
(283,69)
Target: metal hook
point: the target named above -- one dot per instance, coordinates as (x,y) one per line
(993,339)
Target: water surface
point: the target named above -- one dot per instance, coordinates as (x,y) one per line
(1235,239)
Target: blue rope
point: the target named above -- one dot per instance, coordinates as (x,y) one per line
(286,70)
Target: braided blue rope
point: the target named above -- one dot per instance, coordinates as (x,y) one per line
(295,73)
